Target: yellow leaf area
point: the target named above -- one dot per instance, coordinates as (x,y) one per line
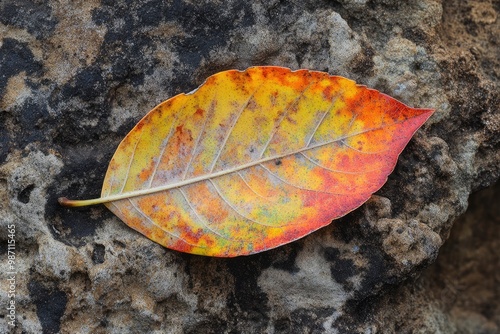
(255,159)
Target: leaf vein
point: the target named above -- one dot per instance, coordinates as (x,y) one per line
(327,112)
(282,117)
(296,186)
(200,219)
(230,130)
(195,146)
(236,210)
(155,224)
(130,163)
(359,151)
(336,170)
(165,143)
(251,188)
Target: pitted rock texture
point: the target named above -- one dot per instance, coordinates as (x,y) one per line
(75,76)
(460,292)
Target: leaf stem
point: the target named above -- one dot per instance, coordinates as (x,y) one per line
(64,201)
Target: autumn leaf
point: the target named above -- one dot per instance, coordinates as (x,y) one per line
(256,159)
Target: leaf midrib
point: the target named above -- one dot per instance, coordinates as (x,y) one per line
(205,177)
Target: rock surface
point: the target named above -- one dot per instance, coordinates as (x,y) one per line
(75,76)
(460,292)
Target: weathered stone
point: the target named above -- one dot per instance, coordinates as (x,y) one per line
(75,76)
(459,293)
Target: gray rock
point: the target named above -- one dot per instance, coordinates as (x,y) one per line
(76,76)
(459,292)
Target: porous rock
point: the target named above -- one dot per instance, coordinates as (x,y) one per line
(75,76)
